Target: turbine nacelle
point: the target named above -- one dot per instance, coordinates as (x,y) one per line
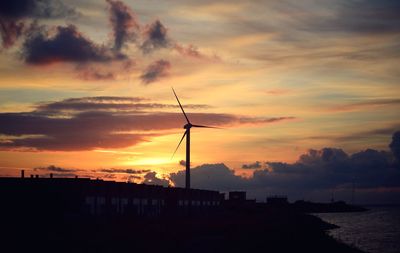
(187,126)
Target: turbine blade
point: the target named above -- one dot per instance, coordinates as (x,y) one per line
(184,134)
(206,126)
(187,119)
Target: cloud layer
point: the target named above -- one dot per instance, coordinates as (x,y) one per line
(101,122)
(315,175)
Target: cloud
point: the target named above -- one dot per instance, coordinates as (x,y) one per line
(212,177)
(193,52)
(314,175)
(155,71)
(124,23)
(381,132)
(10,32)
(35,9)
(362,105)
(96,75)
(395,145)
(13,15)
(253,120)
(366,17)
(134,175)
(125,171)
(46,44)
(152,179)
(53,168)
(67,44)
(99,122)
(359,17)
(190,50)
(155,37)
(256,165)
(134,104)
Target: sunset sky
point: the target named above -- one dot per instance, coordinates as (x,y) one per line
(86,85)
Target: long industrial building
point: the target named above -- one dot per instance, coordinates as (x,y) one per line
(77,197)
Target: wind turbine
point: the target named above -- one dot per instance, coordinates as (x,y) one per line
(187,126)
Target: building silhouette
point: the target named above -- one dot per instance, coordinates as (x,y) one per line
(78,197)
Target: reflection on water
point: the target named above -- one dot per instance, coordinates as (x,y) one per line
(375,231)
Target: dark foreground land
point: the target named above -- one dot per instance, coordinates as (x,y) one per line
(233,231)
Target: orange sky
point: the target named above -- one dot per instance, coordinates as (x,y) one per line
(279,78)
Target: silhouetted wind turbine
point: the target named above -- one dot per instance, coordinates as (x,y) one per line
(187,126)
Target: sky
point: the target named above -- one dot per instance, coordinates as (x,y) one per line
(305,93)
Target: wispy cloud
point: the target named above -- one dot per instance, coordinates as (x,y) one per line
(363,105)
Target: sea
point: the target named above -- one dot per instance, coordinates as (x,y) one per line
(375,231)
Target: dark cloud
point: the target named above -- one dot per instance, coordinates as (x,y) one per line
(44,45)
(395,145)
(152,179)
(91,130)
(35,9)
(75,142)
(314,176)
(212,177)
(13,15)
(17,9)
(256,165)
(92,123)
(155,37)
(61,175)
(325,155)
(53,168)
(155,71)
(124,23)
(125,171)
(94,62)
(67,44)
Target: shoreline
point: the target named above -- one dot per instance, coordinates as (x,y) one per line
(283,231)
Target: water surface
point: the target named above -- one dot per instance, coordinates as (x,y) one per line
(374,231)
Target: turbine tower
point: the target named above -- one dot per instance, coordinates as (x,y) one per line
(187,126)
